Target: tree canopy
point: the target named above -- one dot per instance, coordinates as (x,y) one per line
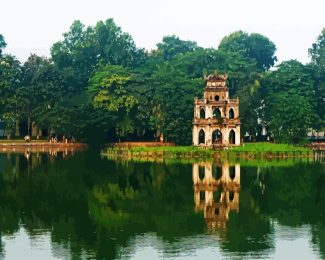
(254,46)
(172,45)
(98,83)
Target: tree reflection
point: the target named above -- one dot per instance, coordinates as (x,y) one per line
(93,205)
(89,203)
(293,196)
(318,238)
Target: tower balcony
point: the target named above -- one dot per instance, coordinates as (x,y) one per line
(230,102)
(216,121)
(233,101)
(203,102)
(200,102)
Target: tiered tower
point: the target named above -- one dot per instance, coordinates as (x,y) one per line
(216,117)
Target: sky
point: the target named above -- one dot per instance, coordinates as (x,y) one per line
(293,25)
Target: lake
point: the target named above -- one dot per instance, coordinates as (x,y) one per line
(84,206)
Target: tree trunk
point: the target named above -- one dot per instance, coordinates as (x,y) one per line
(28,126)
(17,133)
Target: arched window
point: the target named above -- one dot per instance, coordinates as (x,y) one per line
(216,98)
(232,137)
(232,172)
(216,113)
(202,113)
(217,174)
(201,172)
(217,195)
(231,113)
(231,195)
(216,137)
(201,137)
(202,195)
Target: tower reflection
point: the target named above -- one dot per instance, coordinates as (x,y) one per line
(216,191)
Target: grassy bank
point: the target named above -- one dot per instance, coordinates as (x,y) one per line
(246,151)
(270,147)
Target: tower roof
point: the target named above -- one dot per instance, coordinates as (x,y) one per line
(216,77)
(216,81)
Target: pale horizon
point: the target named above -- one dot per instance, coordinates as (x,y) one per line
(34,26)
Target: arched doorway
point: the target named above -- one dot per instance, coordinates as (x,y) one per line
(231,113)
(232,137)
(202,113)
(216,113)
(216,137)
(201,137)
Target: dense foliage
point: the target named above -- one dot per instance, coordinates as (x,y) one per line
(99,86)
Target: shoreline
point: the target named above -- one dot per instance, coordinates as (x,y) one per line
(248,151)
(120,153)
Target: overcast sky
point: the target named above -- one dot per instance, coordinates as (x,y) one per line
(293,25)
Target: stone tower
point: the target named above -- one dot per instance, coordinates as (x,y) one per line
(216,117)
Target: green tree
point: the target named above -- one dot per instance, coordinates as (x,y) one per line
(10,73)
(317,51)
(2,44)
(173,103)
(317,67)
(109,92)
(254,46)
(41,88)
(107,89)
(76,55)
(291,78)
(290,116)
(172,45)
(83,49)
(116,47)
(250,104)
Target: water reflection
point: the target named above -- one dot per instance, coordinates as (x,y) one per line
(216,192)
(27,160)
(54,150)
(87,206)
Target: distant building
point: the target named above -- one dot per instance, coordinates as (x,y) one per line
(316,136)
(216,117)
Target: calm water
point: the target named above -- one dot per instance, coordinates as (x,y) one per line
(86,207)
